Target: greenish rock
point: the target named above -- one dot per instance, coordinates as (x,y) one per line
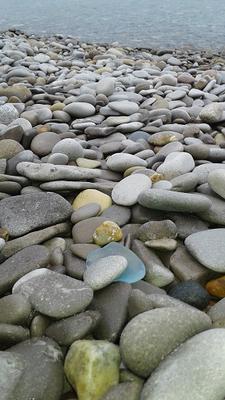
(149,337)
(92,368)
(14,309)
(187,373)
(67,330)
(38,325)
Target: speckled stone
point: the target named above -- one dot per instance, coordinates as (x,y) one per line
(103,271)
(152,335)
(106,233)
(187,373)
(173,201)
(53,294)
(208,248)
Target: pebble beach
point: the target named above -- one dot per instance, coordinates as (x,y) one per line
(112,221)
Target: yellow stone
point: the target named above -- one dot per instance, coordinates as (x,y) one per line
(57,106)
(156,177)
(92,196)
(130,170)
(103,69)
(219,138)
(87,163)
(92,368)
(106,233)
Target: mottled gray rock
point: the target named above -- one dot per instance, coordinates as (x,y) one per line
(187,373)
(24,213)
(8,113)
(211,113)
(11,371)
(50,172)
(208,248)
(153,230)
(152,335)
(53,294)
(42,376)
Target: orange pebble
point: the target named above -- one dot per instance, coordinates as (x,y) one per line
(216,287)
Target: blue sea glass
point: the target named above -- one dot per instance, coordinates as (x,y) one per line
(135,270)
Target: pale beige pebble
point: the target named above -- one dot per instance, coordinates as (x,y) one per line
(164,244)
(86,163)
(92,196)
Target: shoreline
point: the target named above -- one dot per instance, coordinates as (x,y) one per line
(154,49)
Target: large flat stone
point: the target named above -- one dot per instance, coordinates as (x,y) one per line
(24,213)
(195,371)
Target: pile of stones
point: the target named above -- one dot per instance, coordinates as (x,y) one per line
(112,221)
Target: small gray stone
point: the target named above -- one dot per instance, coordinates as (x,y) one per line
(12,334)
(113,318)
(14,309)
(211,113)
(126,191)
(85,212)
(121,162)
(208,248)
(154,230)
(67,330)
(8,113)
(79,109)
(176,164)
(70,147)
(43,144)
(104,271)
(119,214)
